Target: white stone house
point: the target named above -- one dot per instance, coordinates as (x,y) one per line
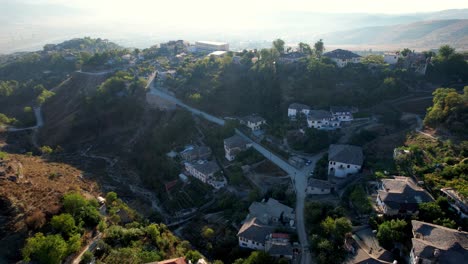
(321,119)
(272,212)
(400,195)
(254,122)
(253,234)
(342,113)
(295,108)
(316,186)
(391,57)
(234,145)
(344,160)
(343,57)
(207,172)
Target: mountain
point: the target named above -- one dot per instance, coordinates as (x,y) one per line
(419,35)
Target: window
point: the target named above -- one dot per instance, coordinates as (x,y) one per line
(348,166)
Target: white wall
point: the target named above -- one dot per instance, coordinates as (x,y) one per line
(292,112)
(341,170)
(391,58)
(250,244)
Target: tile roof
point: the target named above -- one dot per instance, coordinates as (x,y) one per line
(235,141)
(346,154)
(341,54)
(434,242)
(253,230)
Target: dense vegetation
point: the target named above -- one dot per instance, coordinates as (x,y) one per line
(327,228)
(64,231)
(126,238)
(449,111)
(226,88)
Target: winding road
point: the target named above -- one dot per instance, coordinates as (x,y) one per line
(298,176)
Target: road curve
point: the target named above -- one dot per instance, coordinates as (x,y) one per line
(298,177)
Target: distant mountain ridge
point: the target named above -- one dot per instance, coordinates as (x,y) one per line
(419,35)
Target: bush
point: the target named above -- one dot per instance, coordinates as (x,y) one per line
(87,258)
(45,249)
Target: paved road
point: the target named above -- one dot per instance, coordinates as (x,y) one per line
(176,101)
(298,176)
(89,247)
(39,122)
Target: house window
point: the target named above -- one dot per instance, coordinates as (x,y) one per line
(348,166)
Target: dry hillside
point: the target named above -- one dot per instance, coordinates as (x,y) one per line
(60,111)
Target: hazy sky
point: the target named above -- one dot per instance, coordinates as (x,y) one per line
(52,20)
(191,7)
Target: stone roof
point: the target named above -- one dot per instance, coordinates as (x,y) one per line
(272,208)
(403,192)
(321,184)
(460,201)
(434,242)
(319,115)
(280,249)
(347,154)
(207,168)
(235,141)
(298,106)
(341,54)
(253,230)
(253,119)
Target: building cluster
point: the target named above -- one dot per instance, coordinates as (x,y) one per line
(258,229)
(321,119)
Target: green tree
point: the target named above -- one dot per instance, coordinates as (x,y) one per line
(319,48)
(193,256)
(45,249)
(207,232)
(87,258)
(430,211)
(73,244)
(390,232)
(278,44)
(73,203)
(64,223)
(110,198)
(305,48)
(46,150)
(445,51)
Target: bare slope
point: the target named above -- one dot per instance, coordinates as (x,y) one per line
(419,35)
(61,110)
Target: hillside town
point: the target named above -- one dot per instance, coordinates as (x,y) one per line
(197,152)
